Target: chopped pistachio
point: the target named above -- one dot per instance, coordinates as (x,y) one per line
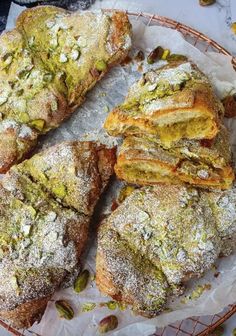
(81,41)
(8,58)
(63,58)
(15,284)
(121,306)
(155,55)
(59,191)
(110,304)
(176,57)
(54,105)
(47,77)
(106,109)
(139,57)
(234,332)
(165,54)
(38,124)
(3,98)
(19,92)
(26,229)
(81,282)
(125,192)
(64,309)
(20,105)
(86,307)
(31,41)
(24,117)
(108,323)
(101,65)
(50,24)
(75,54)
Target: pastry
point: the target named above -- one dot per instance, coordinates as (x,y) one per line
(145,161)
(43,230)
(47,65)
(173,102)
(158,239)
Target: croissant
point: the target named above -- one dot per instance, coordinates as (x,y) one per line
(47,65)
(45,206)
(173,102)
(159,238)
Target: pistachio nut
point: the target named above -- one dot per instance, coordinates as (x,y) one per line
(38,124)
(63,58)
(176,57)
(233,27)
(88,306)
(81,282)
(206,2)
(64,309)
(7,59)
(155,55)
(59,191)
(139,57)
(19,92)
(54,105)
(108,323)
(75,54)
(125,192)
(165,54)
(101,65)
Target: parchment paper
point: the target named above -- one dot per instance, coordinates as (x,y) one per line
(87,123)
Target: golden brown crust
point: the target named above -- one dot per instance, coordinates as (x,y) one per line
(45,71)
(180,230)
(27,313)
(49,234)
(158,104)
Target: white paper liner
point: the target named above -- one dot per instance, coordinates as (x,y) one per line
(87,124)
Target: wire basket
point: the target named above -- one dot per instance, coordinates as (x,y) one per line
(193,326)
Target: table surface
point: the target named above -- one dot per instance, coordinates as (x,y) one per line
(214,21)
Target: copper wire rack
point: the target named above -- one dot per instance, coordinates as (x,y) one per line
(193,326)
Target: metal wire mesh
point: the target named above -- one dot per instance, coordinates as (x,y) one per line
(194,326)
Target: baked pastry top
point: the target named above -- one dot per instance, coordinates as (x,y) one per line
(173,102)
(43,230)
(159,238)
(146,161)
(47,65)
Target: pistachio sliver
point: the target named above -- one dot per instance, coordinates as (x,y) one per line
(101,65)
(38,124)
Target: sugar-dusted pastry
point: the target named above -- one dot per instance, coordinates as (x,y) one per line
(47,65)
(159,238)
(81,46)
(174,102)
(42,230)
(145,161)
